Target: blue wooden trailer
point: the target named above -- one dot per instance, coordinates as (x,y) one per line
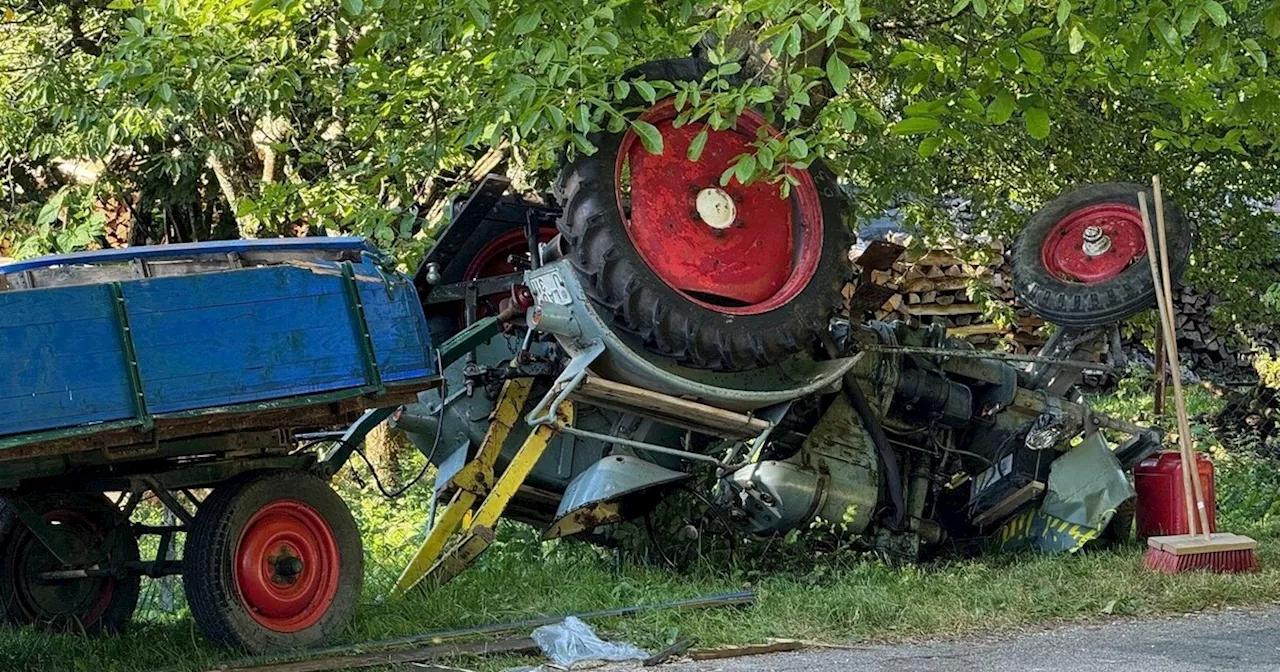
(185,369)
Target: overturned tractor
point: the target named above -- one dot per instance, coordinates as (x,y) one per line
(655,329)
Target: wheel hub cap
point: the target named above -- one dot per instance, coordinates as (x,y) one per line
(1094,244)
(716,208)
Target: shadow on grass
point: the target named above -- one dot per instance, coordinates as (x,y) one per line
(836,599)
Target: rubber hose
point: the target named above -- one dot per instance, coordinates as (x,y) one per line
(892,474)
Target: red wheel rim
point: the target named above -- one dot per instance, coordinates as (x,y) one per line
(1094,244)
(494,259)
(286,566)
(757,258)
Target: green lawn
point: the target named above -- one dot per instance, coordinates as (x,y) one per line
(837,600)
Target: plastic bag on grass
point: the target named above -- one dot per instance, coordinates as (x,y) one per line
(572,641)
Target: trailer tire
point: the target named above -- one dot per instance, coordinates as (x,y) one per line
(704,292)
(292,525)
(92,606)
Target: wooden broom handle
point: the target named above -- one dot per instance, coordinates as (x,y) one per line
(1184,423)
(1166,335)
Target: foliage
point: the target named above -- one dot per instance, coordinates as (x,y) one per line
(358,116)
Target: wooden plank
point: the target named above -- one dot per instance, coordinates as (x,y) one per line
(1192,544)
(515,645)
(1019,497)
(935,309)
(975,329)
(681,412)
(740,651)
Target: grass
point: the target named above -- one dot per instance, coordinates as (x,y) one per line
(838,600)
(843,598)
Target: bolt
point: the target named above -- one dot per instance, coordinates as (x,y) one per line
(1096,242)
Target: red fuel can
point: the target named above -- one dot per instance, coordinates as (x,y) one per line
(1158,480)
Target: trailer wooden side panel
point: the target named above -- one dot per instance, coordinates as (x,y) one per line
(90,353)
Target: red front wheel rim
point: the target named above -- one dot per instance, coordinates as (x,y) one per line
(1094,244)
(286,566)
(735,249)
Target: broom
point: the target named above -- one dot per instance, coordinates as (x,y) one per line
(1221,552)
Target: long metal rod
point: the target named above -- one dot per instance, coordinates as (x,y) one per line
(740,598)
(641,445)
(977,354)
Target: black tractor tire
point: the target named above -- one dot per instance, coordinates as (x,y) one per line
(1072,304)
(638,302)
(1119,530)
(91,606)
(215,542)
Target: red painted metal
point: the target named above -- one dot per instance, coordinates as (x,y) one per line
(1161,508)
(492,260)
(1062,251)
(286,566)
(761,262)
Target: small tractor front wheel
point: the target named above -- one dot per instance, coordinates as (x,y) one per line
(273,562)
(1081,261)
(93,605)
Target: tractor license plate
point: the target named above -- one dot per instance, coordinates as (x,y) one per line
(550,288)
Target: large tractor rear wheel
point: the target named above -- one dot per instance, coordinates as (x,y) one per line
(726,277)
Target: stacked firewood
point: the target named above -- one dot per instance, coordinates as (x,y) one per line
(1208,352)
(118,221)
(957,289)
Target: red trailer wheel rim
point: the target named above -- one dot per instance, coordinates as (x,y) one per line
(286,566)
(755,259)
(1063,250)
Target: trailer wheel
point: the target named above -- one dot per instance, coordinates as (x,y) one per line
(715,275)
(273,562)
(1081,261)
(92,606)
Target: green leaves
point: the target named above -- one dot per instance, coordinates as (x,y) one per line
(1033,59)
(1064,12)
(915,126)
(352,7)
(696,145)
(1167,34)
(837,73)
(1255,52)
(646,90)
(52,208)
(650,137)
(526,22)
(1075,40)
(1216,12)
(1037,121)
(1001,108)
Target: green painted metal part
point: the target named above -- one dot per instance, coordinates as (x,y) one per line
(467,340)
(135,374)
(368,358)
